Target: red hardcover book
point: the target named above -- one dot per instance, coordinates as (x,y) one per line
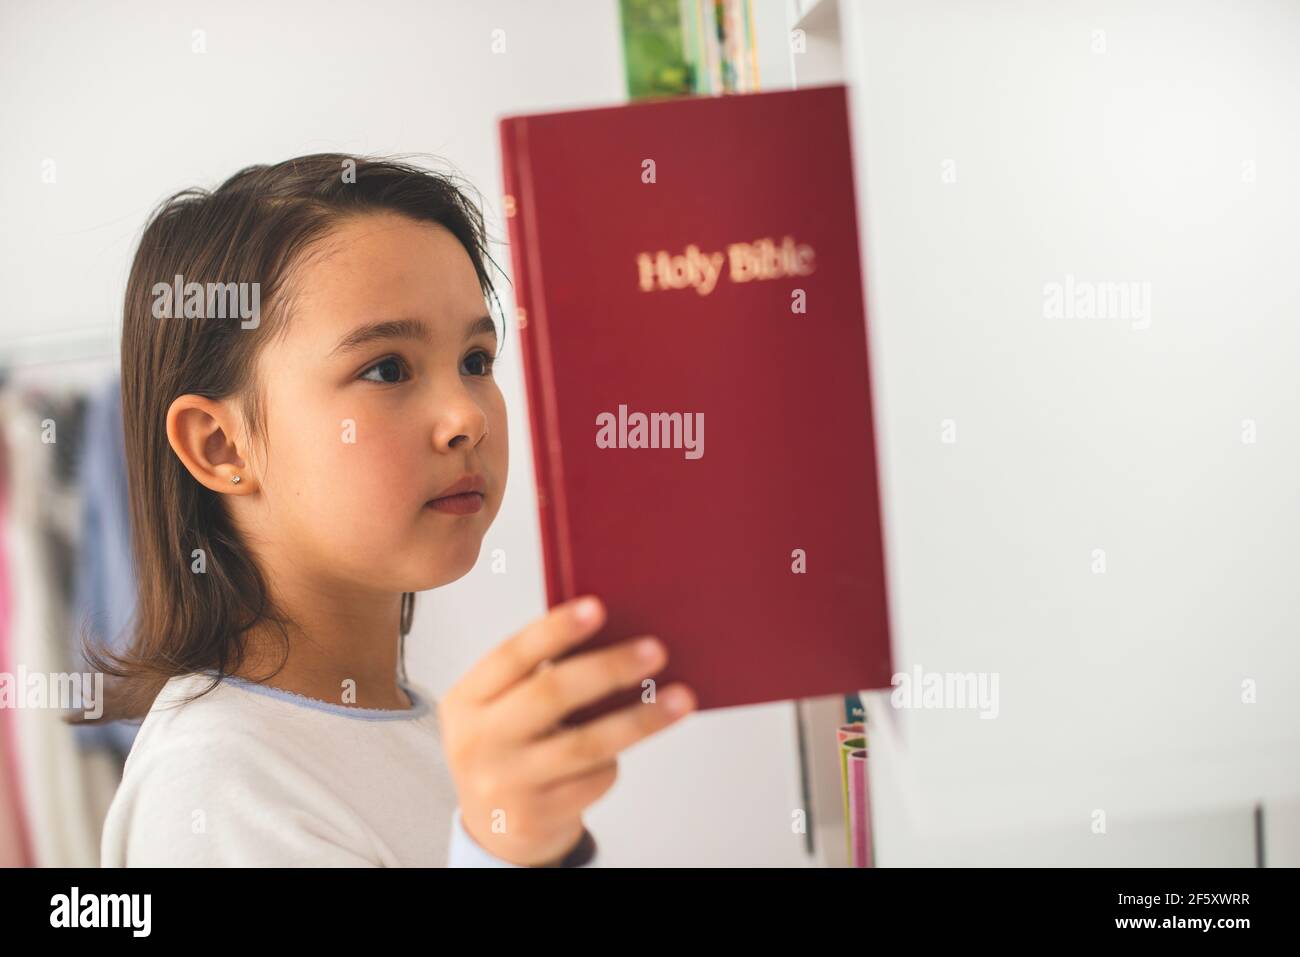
(694,343)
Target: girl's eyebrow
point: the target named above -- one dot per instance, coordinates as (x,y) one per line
(404,329)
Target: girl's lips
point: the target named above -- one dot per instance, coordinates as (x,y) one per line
(467,503)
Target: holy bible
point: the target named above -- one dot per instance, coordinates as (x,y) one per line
(691,317)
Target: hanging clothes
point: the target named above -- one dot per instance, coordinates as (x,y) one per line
(65,790)
(105,579)
(14,849)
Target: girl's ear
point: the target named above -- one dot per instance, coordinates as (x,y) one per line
(205,435)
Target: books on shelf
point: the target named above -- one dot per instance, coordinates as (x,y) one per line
(674,47)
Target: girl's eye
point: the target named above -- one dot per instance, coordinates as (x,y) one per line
(392,362)
(484,362)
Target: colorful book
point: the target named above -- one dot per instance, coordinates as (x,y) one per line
(859,810)
(694,342)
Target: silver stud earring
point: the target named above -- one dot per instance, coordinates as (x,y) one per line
(235,479)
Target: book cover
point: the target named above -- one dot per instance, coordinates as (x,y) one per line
(694,341)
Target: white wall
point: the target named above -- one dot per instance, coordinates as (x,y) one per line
(113,93)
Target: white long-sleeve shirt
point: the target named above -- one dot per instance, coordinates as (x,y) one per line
(249,775)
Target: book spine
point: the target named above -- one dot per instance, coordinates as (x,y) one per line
(751,46)
(734,47)
(713,45)
(688,14)
(860,809)
(514,158)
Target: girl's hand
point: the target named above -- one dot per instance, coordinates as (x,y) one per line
(522,782)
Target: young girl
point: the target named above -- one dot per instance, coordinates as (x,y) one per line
(313,433)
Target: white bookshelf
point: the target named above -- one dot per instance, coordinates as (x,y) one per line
(981,546)
(817,59)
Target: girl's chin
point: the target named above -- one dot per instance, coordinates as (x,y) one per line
(446,568)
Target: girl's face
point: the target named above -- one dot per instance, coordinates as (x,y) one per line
(379,397)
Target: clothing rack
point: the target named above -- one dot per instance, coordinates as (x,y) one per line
(76,345)
(76,356)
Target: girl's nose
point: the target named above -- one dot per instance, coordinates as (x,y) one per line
(459,420)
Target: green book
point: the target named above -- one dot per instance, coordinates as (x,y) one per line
(654,53)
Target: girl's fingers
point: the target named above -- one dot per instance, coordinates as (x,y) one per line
(574,794)
(537,704)
(581,750)
(517,657)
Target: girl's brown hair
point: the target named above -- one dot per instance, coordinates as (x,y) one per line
(254,228)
